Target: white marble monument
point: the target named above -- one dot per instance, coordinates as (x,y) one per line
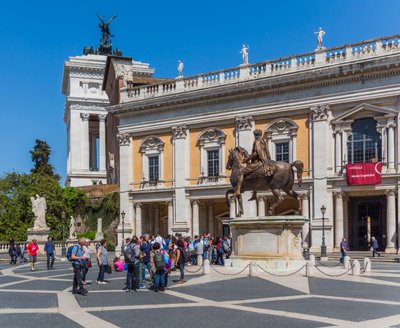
(40,230)
(99,233)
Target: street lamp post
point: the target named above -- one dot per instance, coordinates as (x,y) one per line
(323,246)
(63,250)
(123,232)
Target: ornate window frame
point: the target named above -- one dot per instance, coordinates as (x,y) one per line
(280,131)
(211,139)
(149,147)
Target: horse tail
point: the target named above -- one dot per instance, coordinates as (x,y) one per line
(300,168)
(229,191)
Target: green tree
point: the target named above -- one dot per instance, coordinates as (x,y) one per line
(41,154)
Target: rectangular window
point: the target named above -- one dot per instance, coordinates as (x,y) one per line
(282,152)
(213,163)
(153,168)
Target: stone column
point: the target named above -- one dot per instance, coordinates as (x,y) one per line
(390,220)
(391,142)
(306,213)
(99,233)
(211,218)
(102,141)
(138,217)
(196,217)
(180,170)
(156,218)
(339,218)
(125,178)
(261,205)
(293,141)
(170,216)
(338,150)
(245,139)
(85,141)
(92,147)
(232,208)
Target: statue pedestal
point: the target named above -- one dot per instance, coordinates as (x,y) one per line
(72,240)
(39,234)
(273,242)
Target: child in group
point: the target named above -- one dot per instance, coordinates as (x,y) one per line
(118,264)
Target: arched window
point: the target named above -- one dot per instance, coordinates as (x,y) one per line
(364,144)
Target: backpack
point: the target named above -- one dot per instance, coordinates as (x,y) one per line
(129,254)
(225,246)
(185,255)
(70,252)
(205,243)
(159,261)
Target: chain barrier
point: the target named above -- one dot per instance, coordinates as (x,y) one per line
(329,266)
(282,275)
(189,271)
(335,275)
(230,274)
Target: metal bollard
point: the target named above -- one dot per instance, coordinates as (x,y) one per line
(206,266)
(199,260)
(252,269)
(346,262)
(309,269)
(367,264)
(312,259)
(356,268)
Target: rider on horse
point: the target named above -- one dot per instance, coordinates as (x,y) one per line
(259,156)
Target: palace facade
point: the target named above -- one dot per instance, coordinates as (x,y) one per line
(327,108)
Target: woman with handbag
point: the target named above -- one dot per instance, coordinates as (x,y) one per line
(102,260)
(86,264)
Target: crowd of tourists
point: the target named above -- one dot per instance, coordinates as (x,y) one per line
(147,254)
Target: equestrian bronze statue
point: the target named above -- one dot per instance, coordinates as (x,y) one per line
(257,172)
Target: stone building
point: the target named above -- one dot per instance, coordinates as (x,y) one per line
(328,108)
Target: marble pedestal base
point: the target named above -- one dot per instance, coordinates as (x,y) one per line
(273,242)
(39,235)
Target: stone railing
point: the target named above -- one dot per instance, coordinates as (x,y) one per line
(318,58)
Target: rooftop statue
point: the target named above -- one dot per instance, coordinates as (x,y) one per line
(320,34)
(105,30)
(180,68)
(245,54)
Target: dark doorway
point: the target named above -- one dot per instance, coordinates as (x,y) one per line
(360,208)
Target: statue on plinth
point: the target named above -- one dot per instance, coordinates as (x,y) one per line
(99,233)
(257,172)
(320,34)
(245,54)
(180,68)
(39,209)
(72,228)
(105,42)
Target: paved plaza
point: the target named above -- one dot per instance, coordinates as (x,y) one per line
(223,298)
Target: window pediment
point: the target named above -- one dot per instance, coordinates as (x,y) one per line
(151,143)
(212,135)
(281,127)
(364,111)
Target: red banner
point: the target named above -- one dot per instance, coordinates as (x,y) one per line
(364,173)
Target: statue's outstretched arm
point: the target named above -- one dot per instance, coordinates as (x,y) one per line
(111,19)
(101,19)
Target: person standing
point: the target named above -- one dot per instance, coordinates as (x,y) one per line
(77,258)
(157,267)
(49,249)
(374,247)
(22,256)
(343,249)
(102,260)
(145,248)
(33,251)
(12,251)
(86,263)
(180,260)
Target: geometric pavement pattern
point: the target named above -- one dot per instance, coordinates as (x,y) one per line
(223,299)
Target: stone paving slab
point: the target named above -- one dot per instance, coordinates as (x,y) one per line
(123,298)
(238,289)
(27,300)
(201,317)
(36,320)
(41,285)
(347,310)
(343,288)
(391,279)
(7,279)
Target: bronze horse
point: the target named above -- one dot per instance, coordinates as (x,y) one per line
(282,179)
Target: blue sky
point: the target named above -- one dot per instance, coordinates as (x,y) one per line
(37,36)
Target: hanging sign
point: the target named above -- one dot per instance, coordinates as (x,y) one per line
(364,173)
